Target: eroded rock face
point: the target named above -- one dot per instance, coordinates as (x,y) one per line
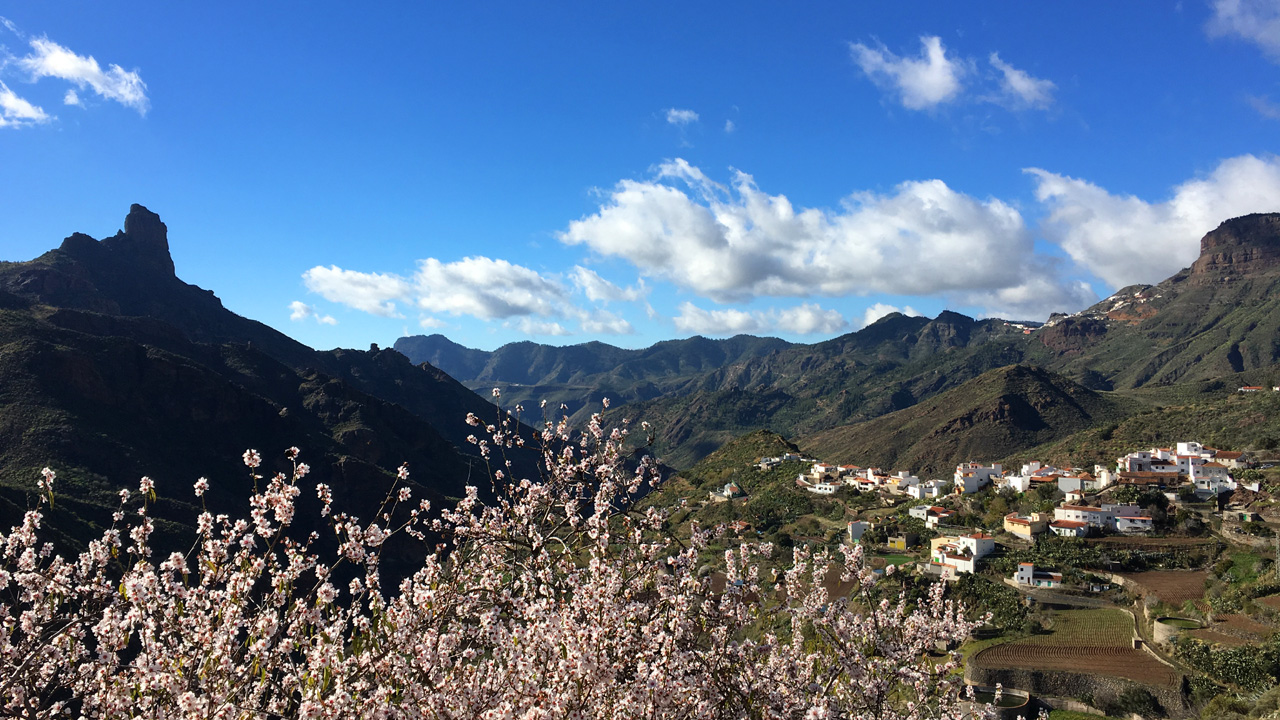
(1242,246)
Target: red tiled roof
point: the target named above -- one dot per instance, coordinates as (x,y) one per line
(1069,524)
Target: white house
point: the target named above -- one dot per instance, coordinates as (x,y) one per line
(1028,575)
(1091,516)
(971,477)
(1069,528)
(856,529)
(1133,524)
(960,554)
(930,489)
(1018,483)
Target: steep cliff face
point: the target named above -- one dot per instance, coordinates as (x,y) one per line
(1240,247)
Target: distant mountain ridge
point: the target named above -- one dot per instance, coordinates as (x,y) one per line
(1218,317)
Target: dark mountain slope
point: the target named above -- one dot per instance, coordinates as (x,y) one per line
(992,416)
(111,368)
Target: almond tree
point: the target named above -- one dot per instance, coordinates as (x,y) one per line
(559,599)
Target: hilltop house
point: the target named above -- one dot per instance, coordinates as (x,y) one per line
(730,491)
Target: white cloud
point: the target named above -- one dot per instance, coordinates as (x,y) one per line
(1124,240)
(299,311)
(429,323)
(924,82)
(478,287)
(1256,21)
(8,24)
(1043,291)
(879,310)
(374,293)
(801,320)
(681,118)
(1264,107)
(1020,89)
(485,288)
(71,98)
(729,126)
(598,289)
(16,112)
(529,326)
(50,59)
(603,322)
(735,243)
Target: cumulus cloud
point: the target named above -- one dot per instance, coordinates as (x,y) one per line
(485,288)
(16,112)
(374,293)
(923,82)
(71,98)
(1019,89)
(1256,21)
(599,289)
(49,59)
(681,118)
(1124,240)
(479,287)
(299,311)
(879,310)
(735,243)
(801,320)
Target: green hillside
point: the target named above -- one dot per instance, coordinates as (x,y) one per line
(993,416)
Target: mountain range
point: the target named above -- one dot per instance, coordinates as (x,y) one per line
(111,368)
(1219,317)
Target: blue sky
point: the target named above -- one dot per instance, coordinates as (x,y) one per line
(636,172)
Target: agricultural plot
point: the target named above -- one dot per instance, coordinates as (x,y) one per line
(1172,587)
(1213,636)
(1244,626)
(1095,642)
(1272,601)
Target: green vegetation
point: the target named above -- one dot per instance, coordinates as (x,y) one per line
(992,416)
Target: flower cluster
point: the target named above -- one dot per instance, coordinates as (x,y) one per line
(558,599)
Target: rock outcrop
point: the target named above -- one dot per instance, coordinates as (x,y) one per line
(1243,246)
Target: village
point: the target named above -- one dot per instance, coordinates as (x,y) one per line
(1148,570)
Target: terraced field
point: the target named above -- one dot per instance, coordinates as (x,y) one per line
(1097,642)
(1172,587)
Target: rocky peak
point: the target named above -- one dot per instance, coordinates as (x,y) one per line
(1248,245)
(144,240)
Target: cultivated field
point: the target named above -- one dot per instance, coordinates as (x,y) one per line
(1172,587)
(1270,601)
(1243,626)
(1213,636)
(1096,642)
